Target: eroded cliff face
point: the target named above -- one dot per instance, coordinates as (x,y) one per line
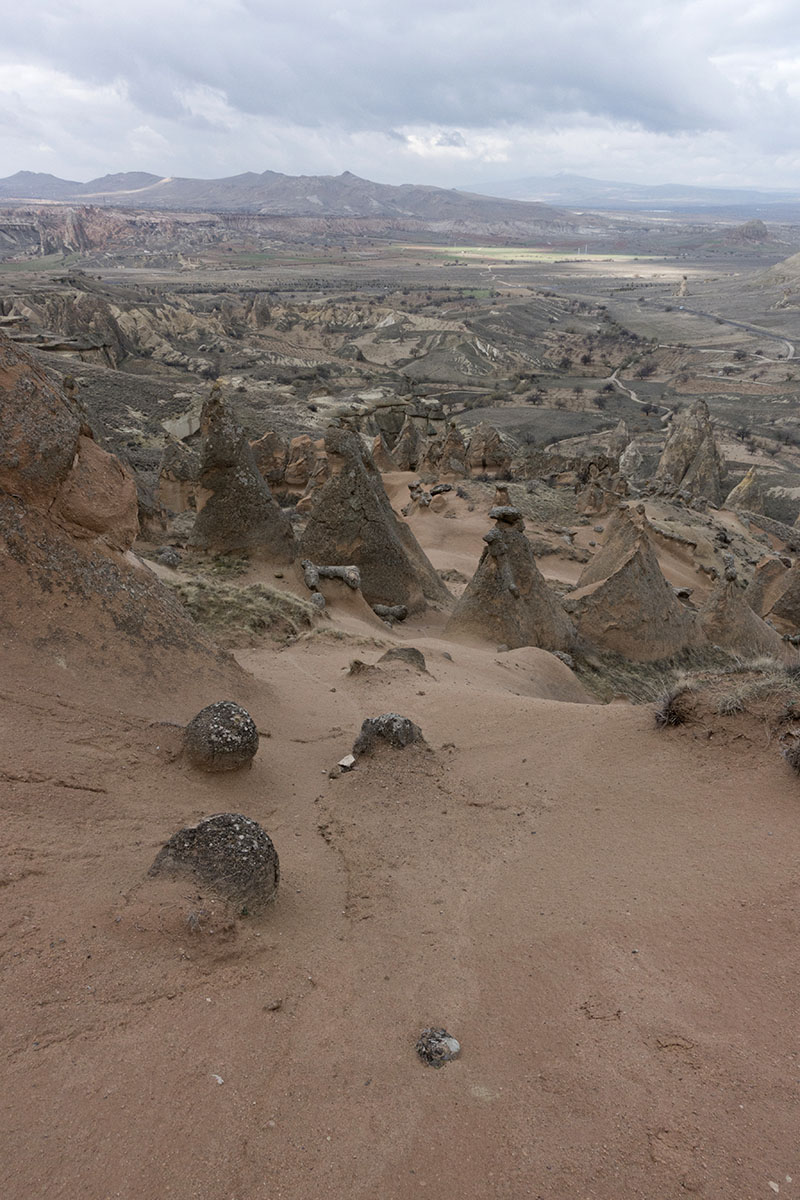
(73,592)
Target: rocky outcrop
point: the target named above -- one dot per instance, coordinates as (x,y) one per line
(767,584)
(390,729)
(748,494)
(179,477)
(98,498)
(39,429)
(622,532)
(631,463)
(690,460)
(303,460)
(72,591)
(487,451)
(782,602)
(237,510)
(623,602)
(507,601)
(352,522)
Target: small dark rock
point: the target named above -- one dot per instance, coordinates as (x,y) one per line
(390,612)
(168,556)
(390,728)
(407,654)
(437,1047)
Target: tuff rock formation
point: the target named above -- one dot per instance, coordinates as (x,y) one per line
(748,493)
(237,511)
(784,600)
(72,590)
(352,522)
(409,449)
(507,601)
(623,602)
(728,621)
(453,454)
(487,451)
(382,455)
(178,477)
(303,457)
(271,454)
(690,460)
(767,584)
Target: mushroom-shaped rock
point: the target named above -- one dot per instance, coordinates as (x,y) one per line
(222,737)
(228,853)
(507,601)
(391,729)
(239,512)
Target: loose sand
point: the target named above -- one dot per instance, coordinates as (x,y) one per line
(605,915)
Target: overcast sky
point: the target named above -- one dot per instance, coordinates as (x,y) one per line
(435,91)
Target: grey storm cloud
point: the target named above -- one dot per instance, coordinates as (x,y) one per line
(376,65)
(362,67)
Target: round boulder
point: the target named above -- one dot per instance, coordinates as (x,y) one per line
(228,853)
(222,737)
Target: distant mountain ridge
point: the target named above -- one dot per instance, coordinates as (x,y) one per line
(274,194)
(581,191)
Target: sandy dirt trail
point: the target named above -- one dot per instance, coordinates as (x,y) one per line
(606,917)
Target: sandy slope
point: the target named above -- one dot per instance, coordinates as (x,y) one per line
(605,915)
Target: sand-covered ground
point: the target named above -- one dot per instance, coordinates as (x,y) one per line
(603,913)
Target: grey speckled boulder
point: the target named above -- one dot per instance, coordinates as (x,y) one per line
(222,737)
(230,854)
(390,728)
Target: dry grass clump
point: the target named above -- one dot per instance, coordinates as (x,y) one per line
(241,616)
(763,688)
(608,675)
(791,750)
(675,705)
